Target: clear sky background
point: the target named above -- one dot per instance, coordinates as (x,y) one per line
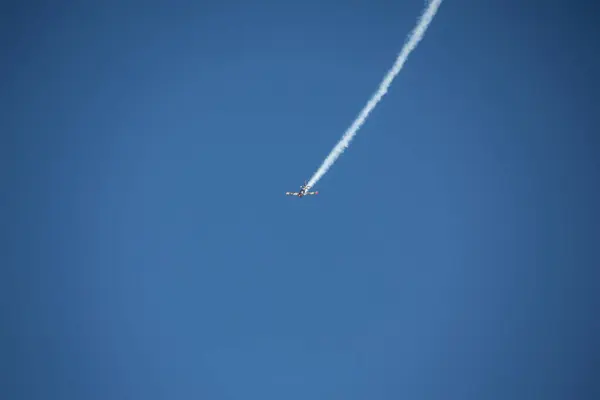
(150,251)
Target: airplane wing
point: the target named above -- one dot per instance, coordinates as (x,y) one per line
(312,193)
(291,194)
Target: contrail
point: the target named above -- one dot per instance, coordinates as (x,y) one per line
(413,39)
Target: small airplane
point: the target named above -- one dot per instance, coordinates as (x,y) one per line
(303,191)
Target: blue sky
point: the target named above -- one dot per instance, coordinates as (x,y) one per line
(152,254)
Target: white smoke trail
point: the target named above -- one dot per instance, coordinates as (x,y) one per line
(413,39)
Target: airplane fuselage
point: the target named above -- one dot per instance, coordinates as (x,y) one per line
(302,191)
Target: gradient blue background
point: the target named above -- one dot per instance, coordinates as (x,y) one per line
(151,253)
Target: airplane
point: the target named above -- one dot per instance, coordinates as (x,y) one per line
(303,191)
